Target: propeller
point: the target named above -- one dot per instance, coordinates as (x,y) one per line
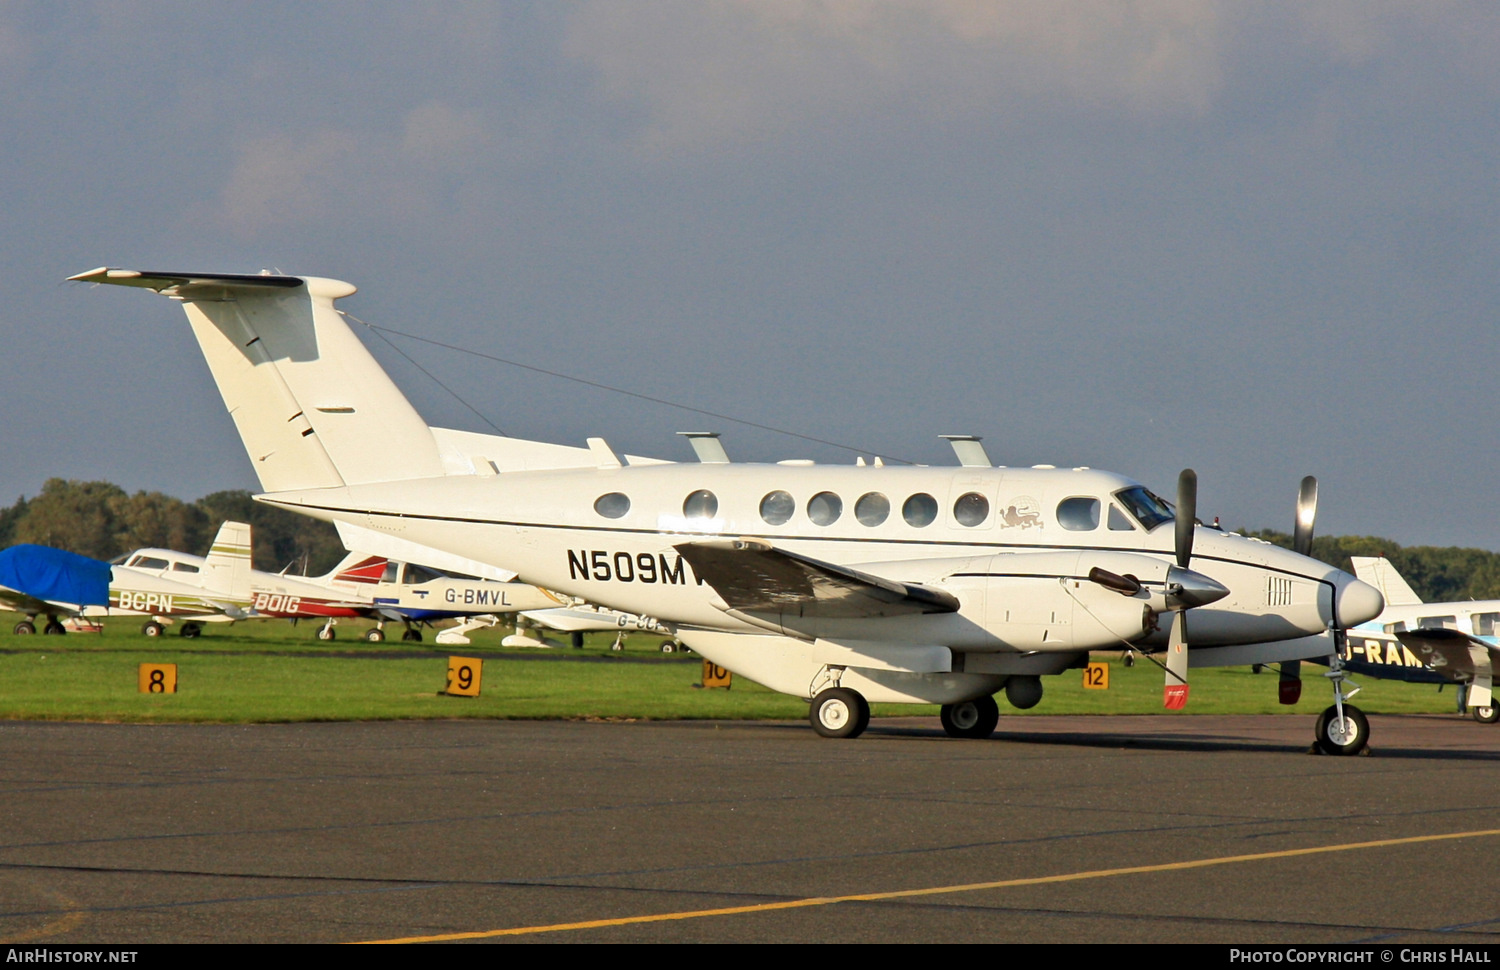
(1307,511)
(1289,687)
(1175,693)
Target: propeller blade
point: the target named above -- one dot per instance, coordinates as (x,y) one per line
(1289,688)
(1307,511)
(1126,585)
(1175,694)
(1187,514)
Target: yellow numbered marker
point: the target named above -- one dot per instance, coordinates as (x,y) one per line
(1096,677)
(463,676)
(157,678)
(714,675)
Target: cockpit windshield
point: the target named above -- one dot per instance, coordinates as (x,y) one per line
(1148,508)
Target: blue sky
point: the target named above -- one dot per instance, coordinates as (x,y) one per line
(1255,239)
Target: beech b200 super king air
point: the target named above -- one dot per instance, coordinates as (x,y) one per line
(841,584)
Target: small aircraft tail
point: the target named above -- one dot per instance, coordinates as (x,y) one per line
(1378,572)
(357,567)
(227,567)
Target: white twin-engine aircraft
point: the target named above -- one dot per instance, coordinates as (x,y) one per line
(842,584)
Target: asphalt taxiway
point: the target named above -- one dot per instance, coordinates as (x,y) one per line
(1074,829)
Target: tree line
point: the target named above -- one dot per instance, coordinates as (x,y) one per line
(101,520)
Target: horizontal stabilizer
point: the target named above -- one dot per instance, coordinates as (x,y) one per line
(753,576)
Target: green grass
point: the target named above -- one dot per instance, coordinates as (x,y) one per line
(272,671)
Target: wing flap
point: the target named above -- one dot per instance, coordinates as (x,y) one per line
(753,576)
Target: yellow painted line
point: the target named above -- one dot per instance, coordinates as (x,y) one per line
(69,921)
(937,890)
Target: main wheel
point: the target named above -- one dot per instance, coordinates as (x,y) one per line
(191,630)
(839,713)
(54,629)
(667,646)
(326,633)
(971,719)
(1346,735)
(412,635)
(375,635)
(151,628)
(24,628)
(1487,714)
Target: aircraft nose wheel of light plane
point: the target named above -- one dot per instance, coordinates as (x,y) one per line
(325,632)
(24,628)
(374,635)
(840,713)
(1344,735)
(54,628)
(970,719)
(1487,713)
(151,628)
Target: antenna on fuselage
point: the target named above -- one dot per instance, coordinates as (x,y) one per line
(707,447)
(970,452)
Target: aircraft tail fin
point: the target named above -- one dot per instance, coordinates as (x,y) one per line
(312,406)
(227,567)
(359,567)
(1378,572)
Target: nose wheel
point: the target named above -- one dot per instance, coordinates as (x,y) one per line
(1343,728)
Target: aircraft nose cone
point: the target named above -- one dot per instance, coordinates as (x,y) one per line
(1187,589)
(1358,602)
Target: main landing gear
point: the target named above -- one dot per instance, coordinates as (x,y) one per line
(971,719)
(27,627)
(840,713)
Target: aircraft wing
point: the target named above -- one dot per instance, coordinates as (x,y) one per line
(1458,657)
(751,575)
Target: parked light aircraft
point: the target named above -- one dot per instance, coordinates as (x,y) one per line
(842,584)
(37,580)
(162,584)
(1432,643)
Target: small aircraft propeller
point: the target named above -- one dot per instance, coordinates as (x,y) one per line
(1307,511)
(1289,687)
(1175,693)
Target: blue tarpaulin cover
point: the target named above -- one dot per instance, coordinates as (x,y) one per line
(55,575)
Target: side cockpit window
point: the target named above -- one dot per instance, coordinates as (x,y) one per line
(1149,509)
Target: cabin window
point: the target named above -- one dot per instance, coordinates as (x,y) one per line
(392,572)
(702,504)
(777,508)
(184,567)
(1484,623)
(1437,623)
(872,509)
(1118,520)
(971,509)
(919,510)
(416,575)
(1399,627)
(149,562)
(1078,514)
(612,505)
(1149,509)
(825,508)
